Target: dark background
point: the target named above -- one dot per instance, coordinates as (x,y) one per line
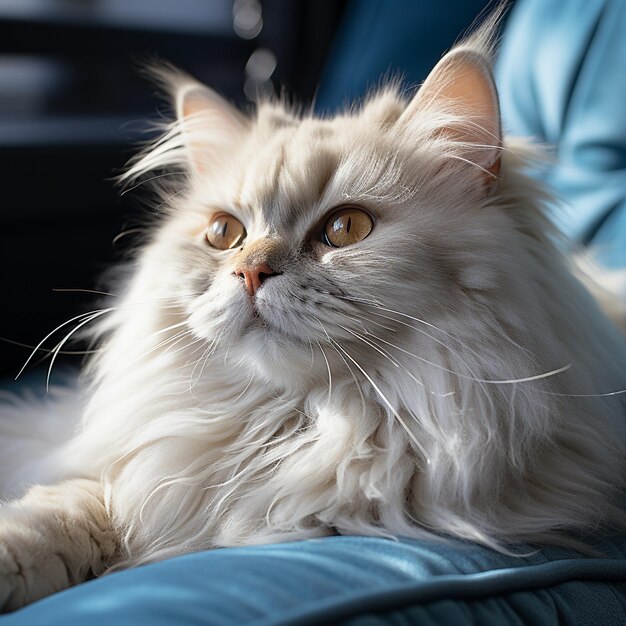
(73,109)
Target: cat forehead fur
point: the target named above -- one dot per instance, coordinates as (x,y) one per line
(288,170)
(283,173)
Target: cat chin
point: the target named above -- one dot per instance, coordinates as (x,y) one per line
(283,361)
(254,345)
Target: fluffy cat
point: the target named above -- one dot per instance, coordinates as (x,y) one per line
(355,325)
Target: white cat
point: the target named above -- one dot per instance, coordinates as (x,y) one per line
(355,325)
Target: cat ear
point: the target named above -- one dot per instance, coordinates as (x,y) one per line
(462,90)
(209,124)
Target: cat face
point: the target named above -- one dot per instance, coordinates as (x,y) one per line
(296,233)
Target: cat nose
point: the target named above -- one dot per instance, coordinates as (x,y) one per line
(254,276)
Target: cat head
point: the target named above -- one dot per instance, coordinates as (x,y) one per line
(295,237)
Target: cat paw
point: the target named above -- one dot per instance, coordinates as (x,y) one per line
(53,538)
(26,573)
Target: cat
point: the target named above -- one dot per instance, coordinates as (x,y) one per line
(360,324)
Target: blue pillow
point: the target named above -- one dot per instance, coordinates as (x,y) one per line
(360,580)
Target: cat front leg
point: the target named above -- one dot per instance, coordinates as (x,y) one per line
(53,538)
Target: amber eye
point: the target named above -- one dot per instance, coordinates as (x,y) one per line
(347,226)
(225,232)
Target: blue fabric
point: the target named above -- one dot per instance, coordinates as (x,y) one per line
(356,580)
(390,38)
(562,80)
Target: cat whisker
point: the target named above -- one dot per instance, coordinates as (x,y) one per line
(485,381)
(356,381)
(390,406)
(202,343)
(370,303)
(177,301)
(47,350)
(421,331)
(394,362)
(456,157)
(204,359)
(185,347)
(364,317)
(464,345)
(65,339)
(441,330)
(87,317)
(244,390)
(160,331)
(361,300)
(369,320)
(330,376)
(380,307)
(187,363)
(130,302)
(125,233)
(608,394)
(180,335)
(376,388)
(51,333)
(226,355)
(371,344)
(158,206)
(435,339)
(80,290)
(168,328)
(146,180)
(167,343)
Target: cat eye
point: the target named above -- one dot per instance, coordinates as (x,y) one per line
(347,226)
(225,232)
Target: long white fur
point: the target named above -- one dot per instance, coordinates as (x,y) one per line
(379,397)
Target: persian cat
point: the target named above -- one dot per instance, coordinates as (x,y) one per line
(358,325)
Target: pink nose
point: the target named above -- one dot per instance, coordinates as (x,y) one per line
(254,276)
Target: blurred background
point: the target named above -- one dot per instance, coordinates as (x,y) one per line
(74,108)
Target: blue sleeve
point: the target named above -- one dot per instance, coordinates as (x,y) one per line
(562,80)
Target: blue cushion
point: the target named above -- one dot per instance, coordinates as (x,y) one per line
(365,581)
